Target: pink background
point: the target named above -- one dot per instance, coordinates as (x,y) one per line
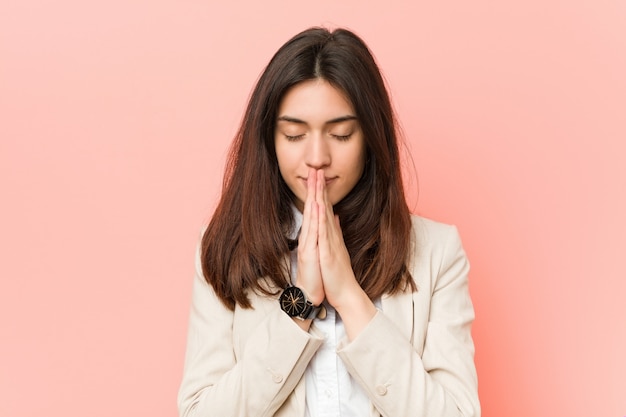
(114,121)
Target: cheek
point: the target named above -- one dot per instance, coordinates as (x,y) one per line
(284,174)
(286,167)
(282,159)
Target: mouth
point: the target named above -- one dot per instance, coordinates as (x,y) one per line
(328,180)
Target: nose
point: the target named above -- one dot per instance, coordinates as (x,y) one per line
(317,153)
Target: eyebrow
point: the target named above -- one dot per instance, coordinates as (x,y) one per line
(332,121)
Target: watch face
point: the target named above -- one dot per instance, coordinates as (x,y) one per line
(292,301)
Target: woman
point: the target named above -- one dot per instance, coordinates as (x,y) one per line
(316,292)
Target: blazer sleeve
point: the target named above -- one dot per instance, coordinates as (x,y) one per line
(256,382)
(442,381)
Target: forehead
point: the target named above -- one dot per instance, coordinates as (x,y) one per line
(315,100)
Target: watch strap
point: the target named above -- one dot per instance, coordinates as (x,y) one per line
(313,312)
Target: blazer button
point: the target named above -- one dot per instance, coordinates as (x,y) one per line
(277,378)
(381,390)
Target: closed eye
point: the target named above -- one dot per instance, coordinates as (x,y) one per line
(342,137)
(293,138)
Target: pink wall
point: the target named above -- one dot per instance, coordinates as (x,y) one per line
(114,120)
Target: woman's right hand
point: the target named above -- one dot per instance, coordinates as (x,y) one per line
(309,275)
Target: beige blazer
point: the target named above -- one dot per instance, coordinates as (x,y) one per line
(414,359)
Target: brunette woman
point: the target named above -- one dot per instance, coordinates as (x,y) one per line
(317,293)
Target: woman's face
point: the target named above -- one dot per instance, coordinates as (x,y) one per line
(317,128)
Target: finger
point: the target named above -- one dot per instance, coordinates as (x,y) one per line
(308,206)
(326,211)
(320,199)
(320,193)
(323,231)
(311,183)
(313,237)
(327,204)
(320,187)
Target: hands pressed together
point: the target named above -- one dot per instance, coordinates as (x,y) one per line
(324,269)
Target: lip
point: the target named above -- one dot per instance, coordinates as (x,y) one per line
(328,180)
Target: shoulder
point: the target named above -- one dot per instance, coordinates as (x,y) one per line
(434,243)
(428,233)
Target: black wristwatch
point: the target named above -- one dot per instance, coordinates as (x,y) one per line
(294,303)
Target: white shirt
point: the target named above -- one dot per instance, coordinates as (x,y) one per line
(330,389)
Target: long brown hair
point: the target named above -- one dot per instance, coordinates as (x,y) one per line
(246,238)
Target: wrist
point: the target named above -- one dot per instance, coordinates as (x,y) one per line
(356,311)
(314,295)
(353,301)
